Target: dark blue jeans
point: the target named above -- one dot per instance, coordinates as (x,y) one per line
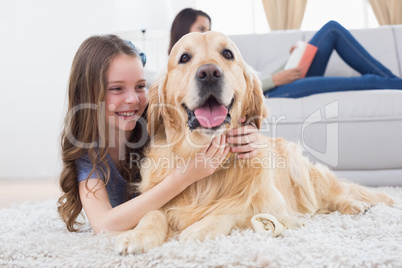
(333,36)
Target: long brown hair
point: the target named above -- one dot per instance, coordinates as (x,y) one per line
(84,128)
(182,23)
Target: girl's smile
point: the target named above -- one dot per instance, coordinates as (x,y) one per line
(127,114)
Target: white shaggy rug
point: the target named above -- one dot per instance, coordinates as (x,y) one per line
(32,235)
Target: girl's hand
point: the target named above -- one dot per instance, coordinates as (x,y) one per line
(245,141)
(204,162)
(287,76)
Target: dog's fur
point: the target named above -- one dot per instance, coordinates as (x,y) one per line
(285,185)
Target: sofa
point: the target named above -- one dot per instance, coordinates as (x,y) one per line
(358,134)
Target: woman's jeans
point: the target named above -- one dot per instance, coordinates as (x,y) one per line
(332,36)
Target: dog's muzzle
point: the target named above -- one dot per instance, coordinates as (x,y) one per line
(210,112)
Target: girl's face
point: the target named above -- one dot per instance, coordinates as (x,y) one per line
(200,25)
(126,96)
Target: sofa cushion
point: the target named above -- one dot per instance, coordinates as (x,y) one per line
(354,106)
(388,177)
(345,130)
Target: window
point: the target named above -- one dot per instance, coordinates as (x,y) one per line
(242,17)
(352,14)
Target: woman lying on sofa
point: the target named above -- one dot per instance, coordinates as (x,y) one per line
(332,36)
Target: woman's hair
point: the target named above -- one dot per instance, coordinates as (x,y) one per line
(182,24)
(84,126)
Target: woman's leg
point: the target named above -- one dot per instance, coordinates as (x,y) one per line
(333,36)
(319,84)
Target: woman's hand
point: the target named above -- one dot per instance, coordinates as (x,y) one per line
(204,162)
(293,47)
(287,76)
(245,141)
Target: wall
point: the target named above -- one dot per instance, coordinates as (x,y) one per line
(38,42)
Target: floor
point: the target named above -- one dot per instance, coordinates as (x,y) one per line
(17,191)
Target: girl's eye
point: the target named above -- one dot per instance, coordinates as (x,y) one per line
(227,54)
(115,88)
(184,58)
(140,87)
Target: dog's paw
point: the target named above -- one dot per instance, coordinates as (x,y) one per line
(136,242)
(354,207)
(199,232)
(209,227)
(194,234)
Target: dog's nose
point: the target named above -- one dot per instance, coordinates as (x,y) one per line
(209,73)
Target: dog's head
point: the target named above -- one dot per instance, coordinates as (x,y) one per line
(206,87)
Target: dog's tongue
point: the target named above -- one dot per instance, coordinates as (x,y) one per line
(211,114)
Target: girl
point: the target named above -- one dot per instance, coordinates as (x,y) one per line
(105,124)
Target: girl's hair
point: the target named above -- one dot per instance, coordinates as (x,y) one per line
(84,126)
(182,24)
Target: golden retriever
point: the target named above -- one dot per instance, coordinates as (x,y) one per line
(205,89)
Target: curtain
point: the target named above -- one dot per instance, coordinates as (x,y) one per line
(284,14)
(387,11)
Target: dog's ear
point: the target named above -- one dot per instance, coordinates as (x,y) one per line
(254,108)
(155,110)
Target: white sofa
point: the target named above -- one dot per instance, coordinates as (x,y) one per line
(358,134)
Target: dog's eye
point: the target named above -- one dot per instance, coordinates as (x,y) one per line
(228,54)
(184,58)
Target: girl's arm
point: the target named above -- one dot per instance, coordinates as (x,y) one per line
(126,216)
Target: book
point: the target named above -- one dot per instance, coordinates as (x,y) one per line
(301,56)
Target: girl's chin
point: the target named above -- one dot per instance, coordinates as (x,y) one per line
(126,126)
(129,125)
